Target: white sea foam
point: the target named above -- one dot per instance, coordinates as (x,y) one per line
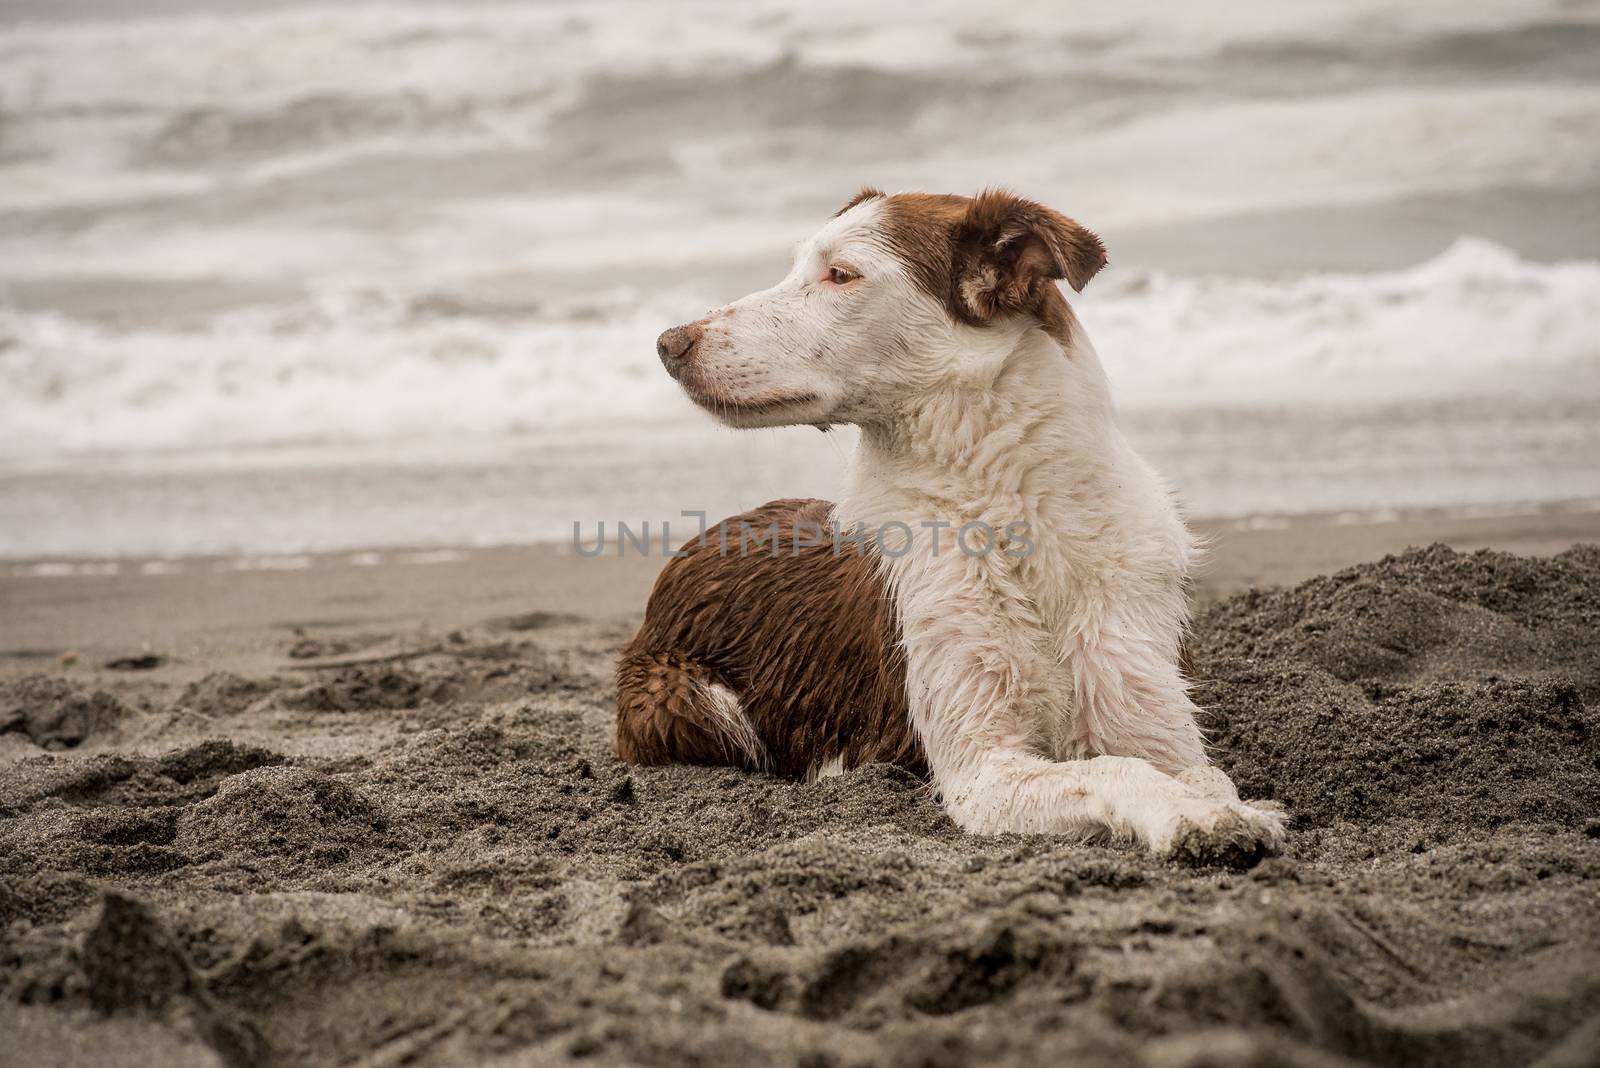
(1474,319)
(364,368)
(342,372)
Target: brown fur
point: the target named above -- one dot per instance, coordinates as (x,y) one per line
(1030,243)
(807,639)
(660,718)
(1055,315)
(994,254)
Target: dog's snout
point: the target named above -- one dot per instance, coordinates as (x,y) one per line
(675,345)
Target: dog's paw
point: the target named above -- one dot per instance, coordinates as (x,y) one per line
(1268,806)
(1226,834)
(1209,781)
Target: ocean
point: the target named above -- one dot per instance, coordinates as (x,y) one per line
(281,277)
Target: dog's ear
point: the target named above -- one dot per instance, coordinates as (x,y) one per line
(1007,249)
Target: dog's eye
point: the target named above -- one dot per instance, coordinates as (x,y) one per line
(839,276)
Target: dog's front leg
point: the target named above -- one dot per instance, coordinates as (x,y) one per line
(1129,699)
(990,782)
(1121,798)
(969,709)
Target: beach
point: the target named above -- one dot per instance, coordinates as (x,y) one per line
(363,808)
(328,335)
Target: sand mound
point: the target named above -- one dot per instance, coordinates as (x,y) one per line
(460,670)
(358,690)
(1426,614)
(452,867)
(137,781)
(221,694)
(281,813)
(1431,684)
(57,714)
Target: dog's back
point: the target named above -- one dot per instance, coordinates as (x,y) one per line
(779,655)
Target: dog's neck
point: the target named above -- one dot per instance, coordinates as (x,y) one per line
(1040,426)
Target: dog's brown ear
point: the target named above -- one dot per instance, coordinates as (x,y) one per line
(1007,249)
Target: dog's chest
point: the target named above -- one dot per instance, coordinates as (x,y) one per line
(1014,613)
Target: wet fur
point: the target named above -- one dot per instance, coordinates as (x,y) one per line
(1044,688)
(818,667)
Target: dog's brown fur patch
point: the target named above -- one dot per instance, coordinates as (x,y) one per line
(806,638)
(993,254)
(1030,243)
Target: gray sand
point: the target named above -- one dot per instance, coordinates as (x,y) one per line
(434,859)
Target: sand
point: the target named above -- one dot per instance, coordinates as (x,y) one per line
(398,836)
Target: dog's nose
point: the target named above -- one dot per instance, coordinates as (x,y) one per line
(674,346)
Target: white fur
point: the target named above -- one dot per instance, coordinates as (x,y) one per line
(826,770)
(1044,686)
(722,706)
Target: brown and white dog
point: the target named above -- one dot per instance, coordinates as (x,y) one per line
(1016,634)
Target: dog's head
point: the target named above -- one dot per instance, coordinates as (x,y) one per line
(894,296)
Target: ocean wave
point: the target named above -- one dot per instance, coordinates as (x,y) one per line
(341,371)
(1476,317)
(114,109)
(435,370)
(244,60)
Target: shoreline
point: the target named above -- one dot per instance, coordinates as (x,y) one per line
(242,612)
(1563,514)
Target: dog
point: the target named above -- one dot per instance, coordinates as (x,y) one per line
(1000,598)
